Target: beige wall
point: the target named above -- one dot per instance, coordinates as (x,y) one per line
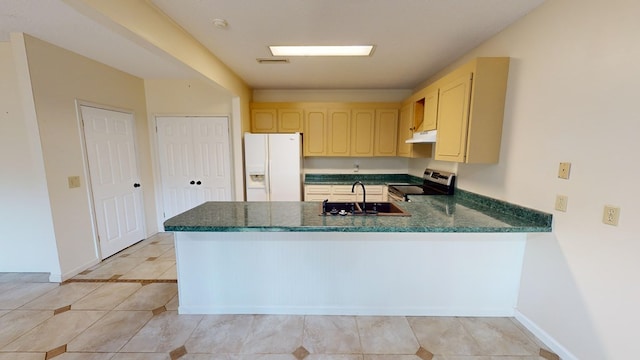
(58,79)
(572,96)
(28,241)
(193,97)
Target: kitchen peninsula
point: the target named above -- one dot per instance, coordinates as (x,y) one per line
(454,256)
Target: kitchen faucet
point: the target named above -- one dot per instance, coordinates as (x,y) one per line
(364,197)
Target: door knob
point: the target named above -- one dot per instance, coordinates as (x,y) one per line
(136,185)
(192,182)
(199,182)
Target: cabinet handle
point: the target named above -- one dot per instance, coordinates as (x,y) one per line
(199,182)
(136,185)
(192,182)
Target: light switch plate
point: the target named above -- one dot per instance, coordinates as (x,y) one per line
(564,169)
(74,182)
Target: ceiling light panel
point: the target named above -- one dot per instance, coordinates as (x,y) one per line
(350,50)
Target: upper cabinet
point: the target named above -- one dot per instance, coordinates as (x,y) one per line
(333,129)
(466,106)
(386,130)
(339,132)
(362,131)
(471,110)
(276,118)
(405,131)
(314,138)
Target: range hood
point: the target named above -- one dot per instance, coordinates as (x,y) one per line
(423,137)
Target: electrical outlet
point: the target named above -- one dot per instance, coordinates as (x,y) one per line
(561,202)
(356,167)
(611,215)
(563,170)
(74,182)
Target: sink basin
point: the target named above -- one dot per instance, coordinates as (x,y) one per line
(373,208)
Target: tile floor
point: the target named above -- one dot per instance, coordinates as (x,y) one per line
(126,308)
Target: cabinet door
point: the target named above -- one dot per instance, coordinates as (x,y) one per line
(362,132)
(386,132)
(453,119)
(264,121)
(339,132)
(315,133)
(290,120)
(404,131)
(430,111)
(317,192)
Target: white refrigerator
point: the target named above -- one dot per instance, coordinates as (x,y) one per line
(273,167)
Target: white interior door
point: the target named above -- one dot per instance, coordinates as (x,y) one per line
(195,161)
(115,182)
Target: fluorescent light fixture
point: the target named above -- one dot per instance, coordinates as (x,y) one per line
(350,50)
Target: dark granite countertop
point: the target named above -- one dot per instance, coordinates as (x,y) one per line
(367,179)
(463,212)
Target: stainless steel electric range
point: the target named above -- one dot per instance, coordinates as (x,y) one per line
(434,182)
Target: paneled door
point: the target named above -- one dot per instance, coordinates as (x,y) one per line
(115,182)
(195,161)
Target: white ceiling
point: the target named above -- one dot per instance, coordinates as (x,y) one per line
(413,38)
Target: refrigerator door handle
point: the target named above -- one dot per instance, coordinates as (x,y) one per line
(267,169)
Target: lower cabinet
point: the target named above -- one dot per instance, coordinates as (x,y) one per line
(342,193)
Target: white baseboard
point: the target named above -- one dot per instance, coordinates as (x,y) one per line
(547,339)
(69,274)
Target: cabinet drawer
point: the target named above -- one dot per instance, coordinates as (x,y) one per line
(315,197)
(341,189)
(318,189)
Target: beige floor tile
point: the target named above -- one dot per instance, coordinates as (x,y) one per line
(391,357)
(334,357)
(149,297)
(117,266)
(274,334)
(14,295)
(151,250)
(2,312)
(84,356)
(149,269)
(24,277)
(173,304)
(107,296)
(171,273)
(19,322)
(163,333)
(56,331)
(110,333)
(331,335)
(63,295)
(209,357)
(386,335)
(443,335)
(261,357)
(22,356)
(220,334)
(499,336)
(142,356)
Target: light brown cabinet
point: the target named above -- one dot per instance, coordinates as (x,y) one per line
(386,132)
(362,132)
(314,138)
(339,132)
(471,110)
(405,131)
(276,118)
(342,193)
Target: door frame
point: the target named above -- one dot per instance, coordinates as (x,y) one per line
(87,175)
(155,159)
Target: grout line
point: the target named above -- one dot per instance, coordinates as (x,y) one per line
(141,281)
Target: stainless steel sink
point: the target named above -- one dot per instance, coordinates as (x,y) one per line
(351,209)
